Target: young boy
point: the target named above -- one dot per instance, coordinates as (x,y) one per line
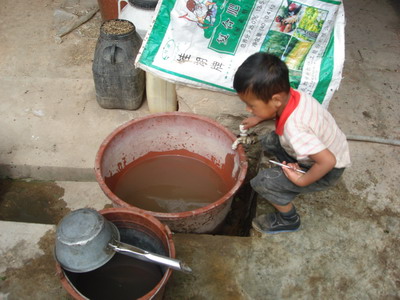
(306,137)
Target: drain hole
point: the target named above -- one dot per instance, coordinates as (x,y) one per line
(244,204)
(243,210)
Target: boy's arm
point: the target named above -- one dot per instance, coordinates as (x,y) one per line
(251,122)
(324,161)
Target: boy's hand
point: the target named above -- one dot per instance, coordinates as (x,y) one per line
(251,122)
(324,161)
(291,174)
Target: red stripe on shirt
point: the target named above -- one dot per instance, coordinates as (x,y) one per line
(289,108)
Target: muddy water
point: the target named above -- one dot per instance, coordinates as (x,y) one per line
(170,183)
(123,277)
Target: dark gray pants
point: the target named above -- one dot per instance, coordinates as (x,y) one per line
(273,185)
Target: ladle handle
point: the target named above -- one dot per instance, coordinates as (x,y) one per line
(149,257)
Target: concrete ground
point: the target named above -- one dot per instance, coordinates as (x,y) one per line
(51,128)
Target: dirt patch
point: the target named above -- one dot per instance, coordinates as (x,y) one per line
(80,54)
(80,44)
(31,201)
(91,29)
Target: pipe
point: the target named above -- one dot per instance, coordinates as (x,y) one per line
(371,139)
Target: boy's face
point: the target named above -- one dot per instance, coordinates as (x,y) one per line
(259,108)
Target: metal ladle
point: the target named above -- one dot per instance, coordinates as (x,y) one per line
(85,241)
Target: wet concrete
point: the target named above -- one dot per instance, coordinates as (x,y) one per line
(37,275)
(46,202)
(31,201)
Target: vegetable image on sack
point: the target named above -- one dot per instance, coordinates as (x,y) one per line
(292,36)
(286,21)
(201,43)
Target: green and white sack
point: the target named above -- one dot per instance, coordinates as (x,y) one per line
(201,43)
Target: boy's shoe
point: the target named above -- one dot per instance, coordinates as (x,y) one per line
(275,223)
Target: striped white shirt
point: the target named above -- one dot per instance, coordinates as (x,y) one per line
(309,129)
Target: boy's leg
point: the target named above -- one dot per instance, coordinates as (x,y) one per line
(273,185)
(277,189)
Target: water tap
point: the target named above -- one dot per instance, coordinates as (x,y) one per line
(243,132)
(240,139)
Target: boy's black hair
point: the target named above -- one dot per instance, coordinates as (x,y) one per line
(262,74)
